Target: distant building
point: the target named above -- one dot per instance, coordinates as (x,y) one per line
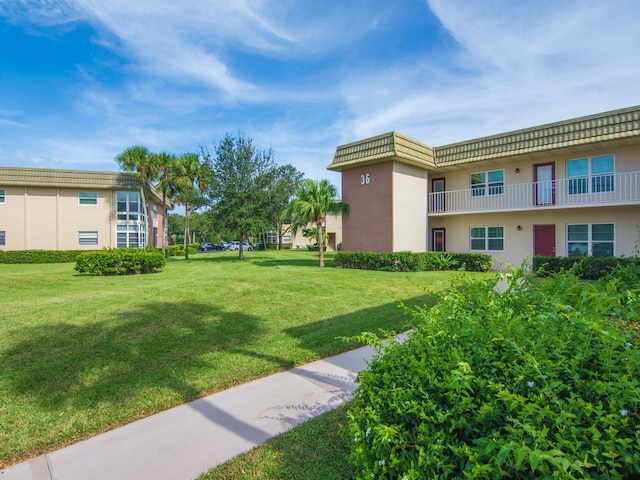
(73,210)
(566,188)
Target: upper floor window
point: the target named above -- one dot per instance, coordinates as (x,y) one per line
(487,183)
(2,200)
(487,238)
(129,206)
(87,198)
(591,174)
(591,239)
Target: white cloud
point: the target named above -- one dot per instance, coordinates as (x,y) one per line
(517,64)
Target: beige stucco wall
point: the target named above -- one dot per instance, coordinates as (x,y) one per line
(627,159)
(51,219)
(409,208)
(519,243)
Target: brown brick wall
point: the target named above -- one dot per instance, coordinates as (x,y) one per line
(369,225)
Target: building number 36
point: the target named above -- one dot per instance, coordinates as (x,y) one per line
(365,179)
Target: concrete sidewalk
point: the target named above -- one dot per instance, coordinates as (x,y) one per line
(186,441)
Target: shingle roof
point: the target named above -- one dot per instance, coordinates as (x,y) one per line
(46,177)
(618,125)
(392,145)
(614,125)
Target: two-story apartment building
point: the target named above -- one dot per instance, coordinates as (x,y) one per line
(565,188)
(51,209)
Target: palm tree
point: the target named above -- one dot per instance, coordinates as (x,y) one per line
(166,163)
(191,179)
(312,202)
(138,159)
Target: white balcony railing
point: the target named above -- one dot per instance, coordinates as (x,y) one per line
(609,189)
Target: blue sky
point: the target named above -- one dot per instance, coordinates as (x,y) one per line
(81,80)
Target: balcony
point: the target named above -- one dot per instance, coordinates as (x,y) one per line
(592,191)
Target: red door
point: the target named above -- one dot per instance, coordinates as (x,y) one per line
(544,240)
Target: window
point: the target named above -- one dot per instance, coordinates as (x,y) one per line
(591,175)
(130,236)
(487,238)
(593,240)
(2,200)
(129,207)
(87,198)
(88,238)
(487,183)
(3,238)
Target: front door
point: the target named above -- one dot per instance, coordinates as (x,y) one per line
(544,240)
(544,183)
(438,240)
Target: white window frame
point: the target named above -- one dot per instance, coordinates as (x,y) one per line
(602,182)
(488,187)
(2,195)
(86,238)
(128,214)
(590,240)
(486,239)
(3,238)
(130,236)
(89,199)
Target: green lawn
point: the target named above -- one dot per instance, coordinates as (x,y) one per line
(80,355)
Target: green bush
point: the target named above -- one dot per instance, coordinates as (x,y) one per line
(39,256)
(588,268)
(119,262)
(414,262)
(174,250)
(533,380)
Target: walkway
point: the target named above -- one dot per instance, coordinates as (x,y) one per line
(186,441)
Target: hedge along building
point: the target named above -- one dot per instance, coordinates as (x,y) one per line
(48,209)
(565,188)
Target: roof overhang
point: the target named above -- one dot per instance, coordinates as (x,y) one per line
(382,148)
(613,128)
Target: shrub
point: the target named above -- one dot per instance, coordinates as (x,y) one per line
(174,250)
(414,262)
(534,380)
(39,256)
(588,268)
(119,262)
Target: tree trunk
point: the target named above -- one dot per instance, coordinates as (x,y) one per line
(186,231)
(320,244)
(145,210)
(164,224)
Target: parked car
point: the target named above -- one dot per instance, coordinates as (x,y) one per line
(209,247)
(235,245)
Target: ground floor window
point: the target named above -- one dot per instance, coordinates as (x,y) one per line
(87,238)
(591,239)
(130,236)
(487,238)
(272,237)
(2,238)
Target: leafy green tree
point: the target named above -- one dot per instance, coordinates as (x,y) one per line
(241,190)
(312,202)
(287,181)
(143,163)
(175,226)
(192,179)
(166,164)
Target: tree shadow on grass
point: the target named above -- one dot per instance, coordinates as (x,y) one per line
(391,317)
(158,345)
